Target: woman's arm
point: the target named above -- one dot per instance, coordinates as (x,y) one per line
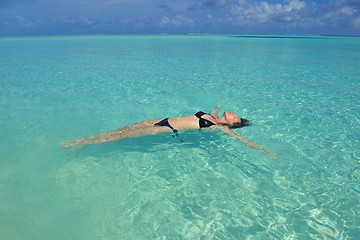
(248,143)
(233,134)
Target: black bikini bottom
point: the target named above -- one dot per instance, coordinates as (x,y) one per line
(165,123)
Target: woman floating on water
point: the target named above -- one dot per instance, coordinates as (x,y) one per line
(150,127)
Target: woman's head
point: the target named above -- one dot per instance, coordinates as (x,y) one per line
(243,123)
(233,121)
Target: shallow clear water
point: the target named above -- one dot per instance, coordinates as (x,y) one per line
(302,95)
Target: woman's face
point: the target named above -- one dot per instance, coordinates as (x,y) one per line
(231,117)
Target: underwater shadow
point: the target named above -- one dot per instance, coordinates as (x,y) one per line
(147,144)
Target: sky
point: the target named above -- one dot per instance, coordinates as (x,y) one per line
(302,17)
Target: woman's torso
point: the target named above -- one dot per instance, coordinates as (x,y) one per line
(191,122)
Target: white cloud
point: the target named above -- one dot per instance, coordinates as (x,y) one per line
(295,16)
(80,20)
(177,21)
(165,21)
(207,4)
(255,12)
(338,15)
(347,11)
(24,22)
(64,19)
(87,21)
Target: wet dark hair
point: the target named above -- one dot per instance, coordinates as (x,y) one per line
(244,122)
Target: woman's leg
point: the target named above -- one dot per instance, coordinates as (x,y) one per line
(135,130)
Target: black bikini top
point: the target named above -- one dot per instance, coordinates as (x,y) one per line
(203,123)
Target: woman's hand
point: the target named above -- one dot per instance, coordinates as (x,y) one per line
(215,111)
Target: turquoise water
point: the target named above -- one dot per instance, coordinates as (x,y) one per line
(302,95)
